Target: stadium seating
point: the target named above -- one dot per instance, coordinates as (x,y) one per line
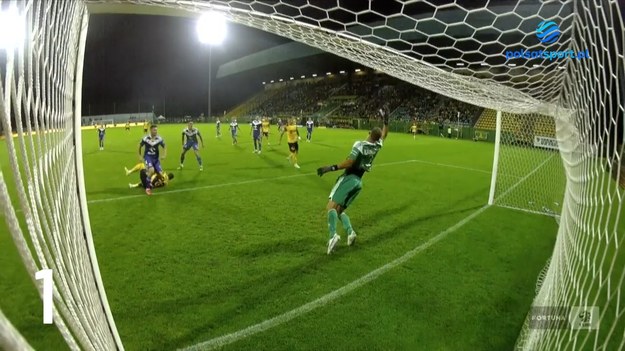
(339,99)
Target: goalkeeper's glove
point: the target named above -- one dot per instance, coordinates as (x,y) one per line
(384,112)
(323,170)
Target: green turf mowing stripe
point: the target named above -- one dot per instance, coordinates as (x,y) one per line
(325,299)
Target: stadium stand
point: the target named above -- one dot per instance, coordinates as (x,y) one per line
(338,100)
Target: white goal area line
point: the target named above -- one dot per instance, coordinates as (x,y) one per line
(259,180)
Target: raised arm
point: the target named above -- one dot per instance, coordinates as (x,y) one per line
(385,116)
(385,128)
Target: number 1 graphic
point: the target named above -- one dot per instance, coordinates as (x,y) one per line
(46,275)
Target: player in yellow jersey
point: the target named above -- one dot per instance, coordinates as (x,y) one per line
(413,130)
(146,125)
(148,181)
(292,137)
(265,129)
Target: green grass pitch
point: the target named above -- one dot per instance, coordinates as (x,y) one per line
(244,241)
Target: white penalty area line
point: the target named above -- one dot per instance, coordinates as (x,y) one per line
(259,180)
(326,299)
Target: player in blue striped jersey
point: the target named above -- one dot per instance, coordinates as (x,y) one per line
(234,129)
(255,131)
(190,136)
(309,129)
(151,155)
(101,134)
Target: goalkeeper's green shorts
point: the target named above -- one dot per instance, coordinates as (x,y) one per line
(346,190)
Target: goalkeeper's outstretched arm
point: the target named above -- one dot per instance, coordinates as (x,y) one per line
(345,164)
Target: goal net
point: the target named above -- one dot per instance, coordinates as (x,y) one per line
(559,121)
(528,173)
(43,198)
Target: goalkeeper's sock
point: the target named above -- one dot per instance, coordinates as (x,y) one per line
(347,224)
(332,218)
(199,160)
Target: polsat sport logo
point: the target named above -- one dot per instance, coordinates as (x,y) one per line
(547,32)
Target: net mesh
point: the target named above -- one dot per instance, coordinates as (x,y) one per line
(37,102)
(458,49)
(530,174)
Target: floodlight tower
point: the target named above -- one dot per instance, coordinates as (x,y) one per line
(211,30)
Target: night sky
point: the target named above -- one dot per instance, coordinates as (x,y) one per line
(134,61)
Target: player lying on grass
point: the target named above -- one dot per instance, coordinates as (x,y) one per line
(349,184)
(147,181)
(191,135)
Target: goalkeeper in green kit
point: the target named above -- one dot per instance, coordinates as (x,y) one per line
(349,184)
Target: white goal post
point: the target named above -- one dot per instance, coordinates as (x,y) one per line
(559,130)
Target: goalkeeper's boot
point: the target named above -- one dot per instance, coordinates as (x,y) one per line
(351,238)
(296,166)
(332,242)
